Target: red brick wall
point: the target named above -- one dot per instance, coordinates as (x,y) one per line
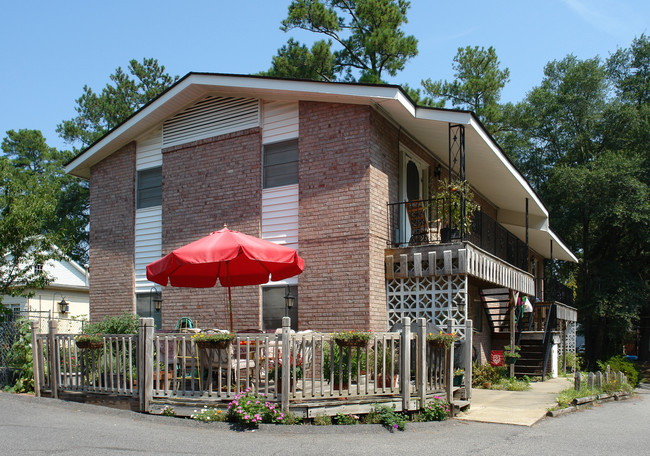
(205,184)
(334,182)
(112,234)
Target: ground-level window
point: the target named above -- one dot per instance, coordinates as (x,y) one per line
(145,308)
(274,308)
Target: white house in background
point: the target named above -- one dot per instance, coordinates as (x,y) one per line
(70,283)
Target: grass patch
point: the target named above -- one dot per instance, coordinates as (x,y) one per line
(511,384)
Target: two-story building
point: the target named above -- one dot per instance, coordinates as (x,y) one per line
(326,168)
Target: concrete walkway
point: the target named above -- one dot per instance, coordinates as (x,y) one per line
(523,408)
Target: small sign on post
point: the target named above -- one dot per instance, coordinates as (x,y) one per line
(496,357)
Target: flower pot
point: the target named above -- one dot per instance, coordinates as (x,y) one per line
(510,359)
(351,343)
(458,379)
(384,381)
(89,344)
(213,344)
(447,234)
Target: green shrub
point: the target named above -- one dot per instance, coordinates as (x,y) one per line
(619,363)
(127,323)
(342,354)
(20,358)
(436,410)
(322,420)
(251,409)
(390,418)
(343,419)
(511,384)
(574,362)
(486,373)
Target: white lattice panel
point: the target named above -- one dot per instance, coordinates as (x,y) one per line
(438,299)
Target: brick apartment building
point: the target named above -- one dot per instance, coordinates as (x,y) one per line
(321,167)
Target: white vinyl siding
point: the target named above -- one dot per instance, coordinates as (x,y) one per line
(280,121)
(148,221)
(149,150)
(212,116)
(280,215)
(148,244)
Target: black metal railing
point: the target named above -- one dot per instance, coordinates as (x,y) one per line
(432,228)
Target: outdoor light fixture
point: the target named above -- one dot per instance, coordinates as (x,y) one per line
(438,172)
(62,305)
(289,300)
(155,298)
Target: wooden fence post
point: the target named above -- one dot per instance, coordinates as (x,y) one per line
(422,361)
(405,367)
(449,370)
(36,358)
(469,340)
(286,363)
(145,362)
(52,358)
(578,381)
(598,380)
(590,380)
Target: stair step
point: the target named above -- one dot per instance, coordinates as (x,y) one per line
(461,404)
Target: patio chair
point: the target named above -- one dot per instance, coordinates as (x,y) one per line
(418,220)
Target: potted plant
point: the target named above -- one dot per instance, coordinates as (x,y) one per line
(511,354)
(441,339)
(213,340)
(89,341)
(459,376)
(352,338)
(452,193)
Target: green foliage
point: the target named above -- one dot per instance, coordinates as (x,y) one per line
(26,201)
(21,358)
(367,33)
(573,362)
(478,82)
(511,384)
(390,418)
(98,113)
(619,363)
(127,323)
(169,411)
(486,373)
(436,410)
(209,414)
(38,171)
(338,364)
(322,420)
(346,420)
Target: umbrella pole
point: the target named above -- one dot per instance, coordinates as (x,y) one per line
(230,308)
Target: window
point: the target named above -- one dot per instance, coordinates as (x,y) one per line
(149,187)
(281,164)
(273,307)
(145,309)
(38,268)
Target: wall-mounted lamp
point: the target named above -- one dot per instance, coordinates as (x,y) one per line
(63,305)
(155,298)
(289,301)
(438,172)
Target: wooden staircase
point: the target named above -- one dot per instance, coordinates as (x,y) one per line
(531,362)
(495,302)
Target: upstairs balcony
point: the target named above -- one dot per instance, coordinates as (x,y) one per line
(422,244)
(427,226)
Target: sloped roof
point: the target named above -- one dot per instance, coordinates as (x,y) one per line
(487,167)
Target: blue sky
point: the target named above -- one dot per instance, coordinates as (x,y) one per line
(51,50)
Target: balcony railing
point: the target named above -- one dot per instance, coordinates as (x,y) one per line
(426,225)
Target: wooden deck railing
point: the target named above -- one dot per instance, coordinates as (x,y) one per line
(293,369)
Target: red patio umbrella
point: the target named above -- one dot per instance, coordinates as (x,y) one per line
(234,258)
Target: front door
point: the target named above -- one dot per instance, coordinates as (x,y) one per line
(413,186)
